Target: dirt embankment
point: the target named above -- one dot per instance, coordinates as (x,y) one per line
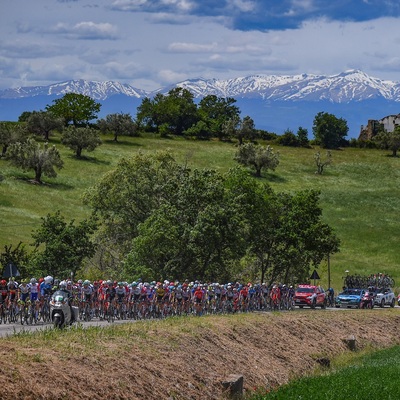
(186,358)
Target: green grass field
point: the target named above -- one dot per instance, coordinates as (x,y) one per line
(371,376)
(360,195)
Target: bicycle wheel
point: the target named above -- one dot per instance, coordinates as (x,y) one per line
(86,313)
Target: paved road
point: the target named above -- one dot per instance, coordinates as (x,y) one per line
(12,329)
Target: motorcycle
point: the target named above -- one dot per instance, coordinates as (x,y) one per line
(367,301)
(60,310)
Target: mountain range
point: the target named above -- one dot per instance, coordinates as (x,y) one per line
(275,102)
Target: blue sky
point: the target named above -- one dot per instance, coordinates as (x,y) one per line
(152,43)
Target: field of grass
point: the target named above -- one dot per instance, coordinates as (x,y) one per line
(370,376)
(360,194)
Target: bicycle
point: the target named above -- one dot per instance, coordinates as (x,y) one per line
(24,311)
(12,312)
(109,311)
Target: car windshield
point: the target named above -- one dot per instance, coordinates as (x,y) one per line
(305,290)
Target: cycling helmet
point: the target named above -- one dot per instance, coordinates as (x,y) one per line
(3,282)
(120,283)
(63,285)
(33,280)
(85,283)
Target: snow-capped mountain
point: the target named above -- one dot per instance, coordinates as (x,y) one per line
(348,86)
(94,89)
(274,102)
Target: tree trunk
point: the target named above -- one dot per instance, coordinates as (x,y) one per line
(79,152)
(38,175)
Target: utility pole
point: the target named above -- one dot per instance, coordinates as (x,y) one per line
(329,271)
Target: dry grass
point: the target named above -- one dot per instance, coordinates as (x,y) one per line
(184,358)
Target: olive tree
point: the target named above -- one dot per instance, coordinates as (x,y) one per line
(257,157)
(79,139)
(30,155)
(389,140)
(118,124)
(11,132)
(43,123)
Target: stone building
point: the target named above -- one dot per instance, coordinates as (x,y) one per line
(388,123)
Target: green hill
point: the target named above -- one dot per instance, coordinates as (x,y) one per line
(360,195)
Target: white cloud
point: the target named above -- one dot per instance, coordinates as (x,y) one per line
(192,47)
(86,30)
(169,76)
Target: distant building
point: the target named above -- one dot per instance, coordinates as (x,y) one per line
(388,123)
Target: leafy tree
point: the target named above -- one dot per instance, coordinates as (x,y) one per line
(320,163)
(389,140)
(75,108)
(329,131)
(30,156)
(17,256)
(126,196)
(118,124)
(257,157)
(79,139)
(176,111)
(11,133)
(197,234)
(284,233)
(230,128)
(216,111)
(302,137)
(246,129)
(61,247)
(288,139)
(200,130)
(24,116)
(43,123)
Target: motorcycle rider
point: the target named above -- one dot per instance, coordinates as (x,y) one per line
(63,288)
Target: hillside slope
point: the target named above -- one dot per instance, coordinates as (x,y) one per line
(184,358)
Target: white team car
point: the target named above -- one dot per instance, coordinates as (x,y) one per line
(385,297)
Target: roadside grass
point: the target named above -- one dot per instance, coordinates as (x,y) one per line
(371,375)
(360,194)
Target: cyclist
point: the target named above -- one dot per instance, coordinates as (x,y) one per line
(86,296)
(23,291)
(331,297)
(120,295)
(35,294)
(243,297)
(3,296)
(198,297)
(186,296)
(12,289)
(46,287)
(275,296)
(66,287)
